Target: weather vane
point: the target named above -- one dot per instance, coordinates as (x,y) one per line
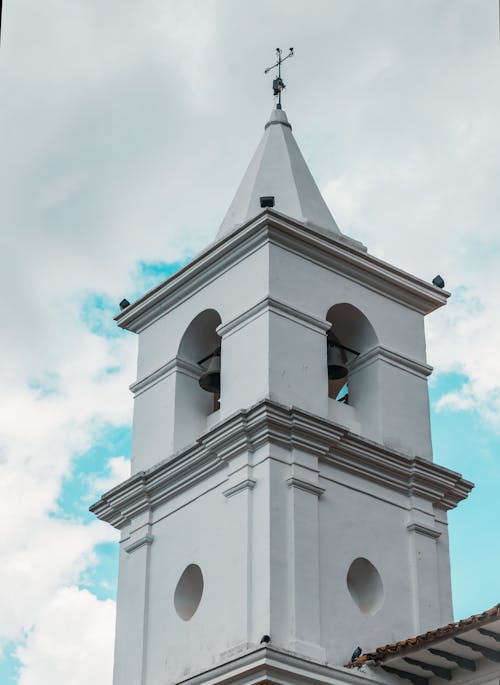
(278,85)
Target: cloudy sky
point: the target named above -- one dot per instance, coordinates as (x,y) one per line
(124,129)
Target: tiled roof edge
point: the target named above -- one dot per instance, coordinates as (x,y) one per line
(427,638)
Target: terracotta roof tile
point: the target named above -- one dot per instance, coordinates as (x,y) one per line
(411,643)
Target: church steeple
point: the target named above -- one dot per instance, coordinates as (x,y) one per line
(270,503)
(278,169)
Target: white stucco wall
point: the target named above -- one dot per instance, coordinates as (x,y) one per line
(274,558)
(280,352)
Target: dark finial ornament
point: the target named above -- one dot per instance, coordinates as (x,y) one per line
(278,84)
(438,281)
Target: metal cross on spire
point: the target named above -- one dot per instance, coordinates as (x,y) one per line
(278,85)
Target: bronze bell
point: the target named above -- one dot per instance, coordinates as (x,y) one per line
(210,379)
(337,362)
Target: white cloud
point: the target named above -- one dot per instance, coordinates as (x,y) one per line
(55,405)
(53,555)
(72,643)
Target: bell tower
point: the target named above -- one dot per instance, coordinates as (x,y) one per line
(282,475)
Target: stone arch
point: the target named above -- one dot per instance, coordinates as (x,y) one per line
(193,404)
(353,330)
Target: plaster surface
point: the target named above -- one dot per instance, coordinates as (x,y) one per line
(272,309)
(278,169)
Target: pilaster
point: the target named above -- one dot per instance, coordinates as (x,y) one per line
(133,602)
(238,493)
(422,539)
(303,559)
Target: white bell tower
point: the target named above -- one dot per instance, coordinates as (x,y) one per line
(294,495)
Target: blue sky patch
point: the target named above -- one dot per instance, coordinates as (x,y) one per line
(9,665)
(97,312)
(150,274)
(101,579)
(111,441)
(463,443)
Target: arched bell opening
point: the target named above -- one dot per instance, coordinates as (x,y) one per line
(197,390)
(351,334)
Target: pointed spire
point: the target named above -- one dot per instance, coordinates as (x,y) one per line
(278,169)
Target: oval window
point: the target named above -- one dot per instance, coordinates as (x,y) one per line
(365,585)
(188,592)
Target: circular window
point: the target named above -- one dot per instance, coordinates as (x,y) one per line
(365,585)
(188,592)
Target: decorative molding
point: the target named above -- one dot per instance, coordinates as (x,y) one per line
(392,357)
(247,484)
(356,264)
(270,423)
(277,307)
(140,542)
(409,475)
(288,312)
(270,664)
(246,317)
(215,260)
(175,365)
(423,530)
(147,489)
(281,123)
(305,485)
(329,251)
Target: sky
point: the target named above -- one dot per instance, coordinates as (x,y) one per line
(124,129)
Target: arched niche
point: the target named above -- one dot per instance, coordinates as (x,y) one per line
(350,329)
(200,337)
(193,404)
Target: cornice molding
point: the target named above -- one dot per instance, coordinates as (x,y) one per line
(269,423)
(333,252)
(175,365)
(305,486)
(140,542)
(344,258)
(276,306)
(246,484)
(392,357)
(179,365)
(427,531)
(202,270)
(270,664)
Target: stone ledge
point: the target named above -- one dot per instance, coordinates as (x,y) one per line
(272,227)
(269,423)
(426,531)
(246,484)
(305,485)
(271,304)
(271,664)
(140,542)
